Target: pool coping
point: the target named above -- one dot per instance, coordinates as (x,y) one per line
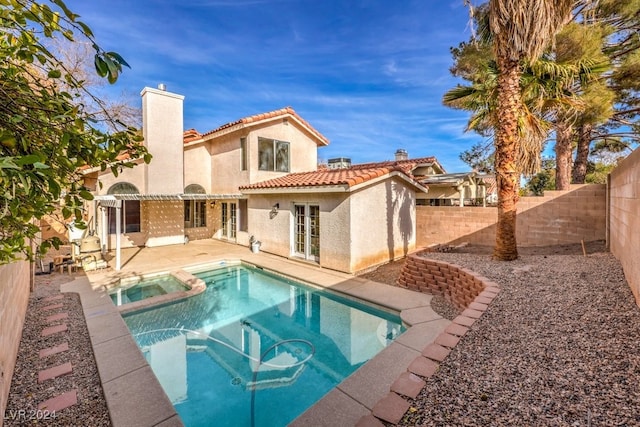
(135,397)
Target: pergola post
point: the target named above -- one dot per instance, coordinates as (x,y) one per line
(118,228)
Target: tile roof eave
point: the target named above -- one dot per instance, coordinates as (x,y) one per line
(337,188)
(349,185)
(251,121)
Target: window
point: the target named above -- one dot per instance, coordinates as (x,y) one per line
(273,155)
(129,213)
(243,223)
(195,211)
(243,153)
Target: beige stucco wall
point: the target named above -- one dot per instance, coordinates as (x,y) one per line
(134,176)
(162,128)
(226,155)
(357,231)
(276,231)
(559,217)
(383,223)
(14,298)
(165,224)
(624,218)
(197,166)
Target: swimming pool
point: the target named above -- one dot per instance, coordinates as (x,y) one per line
(256,349)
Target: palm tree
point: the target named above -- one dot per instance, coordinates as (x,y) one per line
(521,30)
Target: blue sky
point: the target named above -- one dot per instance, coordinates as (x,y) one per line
(368,74)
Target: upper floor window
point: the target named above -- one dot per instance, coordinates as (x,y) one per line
(243,153)
(273,155)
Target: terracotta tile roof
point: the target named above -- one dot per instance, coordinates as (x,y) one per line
(348,177)
(283,112)
(191,135)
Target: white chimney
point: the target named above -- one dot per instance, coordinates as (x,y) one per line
(162,127)
(401,154)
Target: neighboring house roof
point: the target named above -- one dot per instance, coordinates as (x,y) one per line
(490,182)
(406,166)
(192,135)
(448,178)
(347,179)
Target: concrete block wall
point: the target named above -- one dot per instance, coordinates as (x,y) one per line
(558,217)
(458,285)
(624,219)
(15,279)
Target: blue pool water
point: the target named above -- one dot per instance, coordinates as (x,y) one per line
(146,288)
(256,349)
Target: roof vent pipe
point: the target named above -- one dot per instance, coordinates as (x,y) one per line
(401,154)
(162,86)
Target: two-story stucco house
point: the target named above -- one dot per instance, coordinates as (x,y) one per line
(256,177)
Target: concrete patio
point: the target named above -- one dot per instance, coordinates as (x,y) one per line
(134,395)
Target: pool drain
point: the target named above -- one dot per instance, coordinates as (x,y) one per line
(236,381)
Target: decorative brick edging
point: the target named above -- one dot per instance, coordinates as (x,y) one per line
(458,285)
(470,292)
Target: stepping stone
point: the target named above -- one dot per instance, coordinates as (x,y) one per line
(408,385)
(369,421)
(56,317)
(476,305)
(447,340)
(46,352)
(53,298)
(51,307)
(455,329)
(61,402)
(390,408)
(464,321)
(483,300)
(474,314)
(436,352)
(54,372)
(54,330)
(423,367)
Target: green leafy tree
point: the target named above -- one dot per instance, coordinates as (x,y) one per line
(543,180)
(479,157)
(46,137)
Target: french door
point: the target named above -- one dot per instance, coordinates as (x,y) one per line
(229,220)
(306,236)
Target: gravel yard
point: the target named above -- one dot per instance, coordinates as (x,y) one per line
(26,393)
(559,346)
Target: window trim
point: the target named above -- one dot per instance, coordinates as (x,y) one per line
(275,143)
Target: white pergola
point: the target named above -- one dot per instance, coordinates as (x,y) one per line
(115,201)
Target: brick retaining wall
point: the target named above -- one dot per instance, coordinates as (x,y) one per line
(458,285)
